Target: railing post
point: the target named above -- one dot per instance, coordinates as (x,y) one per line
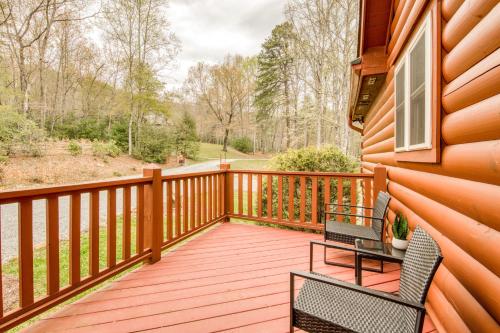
(379,180)
(153,213)
(226,166)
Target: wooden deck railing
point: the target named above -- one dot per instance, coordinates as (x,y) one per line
(168,209)
(294,198)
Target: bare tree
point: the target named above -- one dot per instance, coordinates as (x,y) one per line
(139,30)
(222,89)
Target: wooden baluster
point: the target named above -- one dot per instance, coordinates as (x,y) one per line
(140,218)
(240,193)
(327,192)
(52,248)
(269,196)
(302,199)
(314,200)
(111,221)
(126,223)
(216,196)
(259,195)
(327,198)
(230,192)
(25,224)
(340,199)
(192,197)
(1,274)
(204,219)
(291,194)
(177,208)
(198,202)
(74,239)
(280,197)
(222,186)
(210,206)
(249,195)
(94,234)
(169,210)
(367,199)
(353,199)
(185,207)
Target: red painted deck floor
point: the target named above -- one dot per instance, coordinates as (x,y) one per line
(233,278)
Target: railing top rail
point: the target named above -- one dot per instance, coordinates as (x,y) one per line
(193,174)
(14,195)
(306,173)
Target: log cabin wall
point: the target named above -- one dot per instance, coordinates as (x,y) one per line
(457,198)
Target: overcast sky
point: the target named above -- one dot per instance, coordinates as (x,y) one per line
(210,29)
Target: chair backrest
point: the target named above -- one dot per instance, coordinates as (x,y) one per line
(421,261)
(379,212)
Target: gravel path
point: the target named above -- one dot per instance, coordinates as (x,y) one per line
(9,213)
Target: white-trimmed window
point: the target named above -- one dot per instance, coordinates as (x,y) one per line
(413,92)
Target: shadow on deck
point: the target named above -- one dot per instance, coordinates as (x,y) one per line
(233,278)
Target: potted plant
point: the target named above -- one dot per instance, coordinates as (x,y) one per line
(400,232)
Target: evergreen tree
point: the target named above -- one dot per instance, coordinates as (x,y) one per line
(274,73)
(186,141)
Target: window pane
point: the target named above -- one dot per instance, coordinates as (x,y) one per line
(400,102)
(417,92)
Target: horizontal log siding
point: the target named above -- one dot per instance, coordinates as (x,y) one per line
(456,200)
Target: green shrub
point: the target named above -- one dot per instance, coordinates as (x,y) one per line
(327,159)
(103,149)
(119,133)
(154,145)
(19,134)
(242,144)
(186,141)
(74,148)
(90,128)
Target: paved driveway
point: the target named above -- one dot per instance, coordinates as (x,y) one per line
(9,213)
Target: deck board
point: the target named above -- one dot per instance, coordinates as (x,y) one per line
(233,278)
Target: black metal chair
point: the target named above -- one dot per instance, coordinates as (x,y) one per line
(325,304)
(347,233)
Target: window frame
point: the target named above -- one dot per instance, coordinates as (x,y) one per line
(425,29)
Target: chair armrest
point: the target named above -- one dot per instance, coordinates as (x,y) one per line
(377,255)
(328,245)
(349,214)
(332,245)
(336,204)
(354,287)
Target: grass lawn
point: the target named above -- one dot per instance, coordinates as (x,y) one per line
(251,165)
(212,151)
(10,268)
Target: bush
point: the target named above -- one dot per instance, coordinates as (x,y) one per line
(186,141)
(155,144)
(327,159)
(119,133)
(103,149)
(89,128)
(242,144)
(19,134)
(74,148)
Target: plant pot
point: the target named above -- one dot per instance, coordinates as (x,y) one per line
(401,244)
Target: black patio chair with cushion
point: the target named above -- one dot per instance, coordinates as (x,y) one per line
(325,304)
(347,233)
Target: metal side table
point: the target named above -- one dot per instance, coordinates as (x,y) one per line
(369,249)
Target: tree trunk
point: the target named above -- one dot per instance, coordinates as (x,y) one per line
(225,141)
(287,114)
(130,134)
(23,80)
